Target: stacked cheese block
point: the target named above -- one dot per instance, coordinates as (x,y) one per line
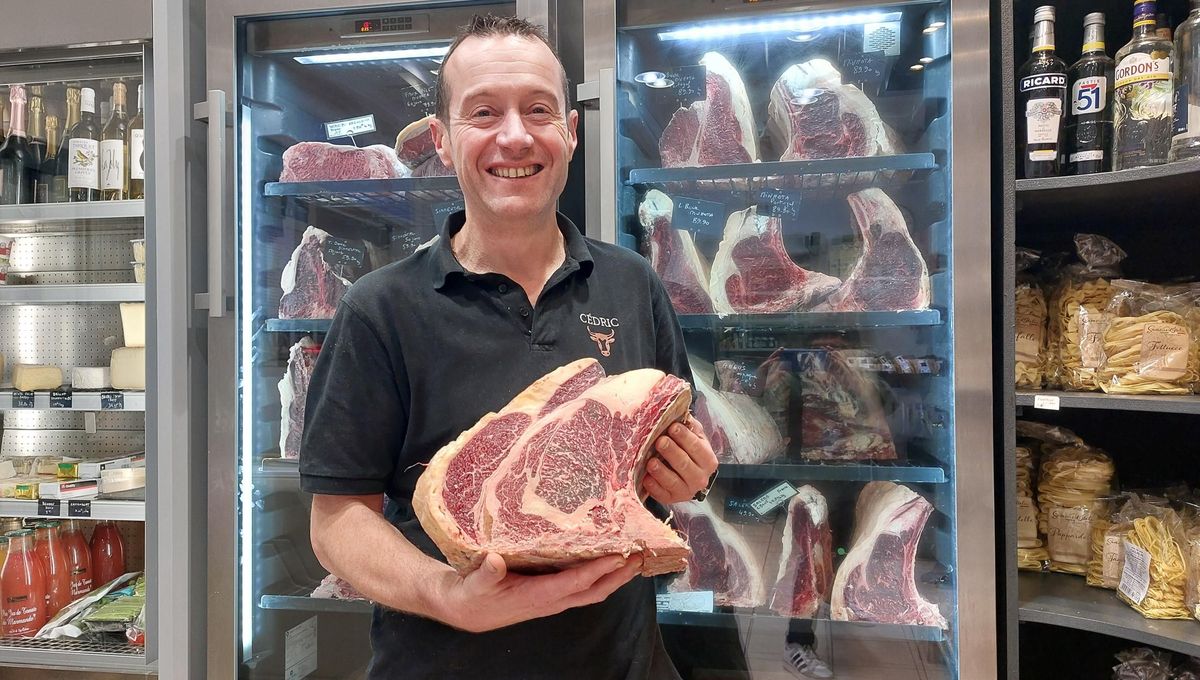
(65,477)
(129,362)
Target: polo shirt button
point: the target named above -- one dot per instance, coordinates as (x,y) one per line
(503,288)
(524,311)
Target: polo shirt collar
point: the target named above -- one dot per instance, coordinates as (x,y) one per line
(443,264)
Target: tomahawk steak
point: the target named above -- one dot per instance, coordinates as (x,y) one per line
(414,144)
(293,391)
(311,289)
(554,478)
(841,415)
(890,275)
(673,255)
(875,582)
(806,563)
(721,559)
(739,430)
(321,161)
(753,273)
(813,115)
(716,130)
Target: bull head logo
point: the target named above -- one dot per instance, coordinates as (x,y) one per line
(604,340)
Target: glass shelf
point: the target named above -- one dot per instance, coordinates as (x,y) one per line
(832,174)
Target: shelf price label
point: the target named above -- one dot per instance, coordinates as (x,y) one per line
(112,401)
(79,508)
(420,101)
(61,399)
(344,252)
(1045,401)
(22,399)
(778,203)
(49,507)
(699,216)
(866,70)
(690,84)
(699,601)
(772,498)
(348,127)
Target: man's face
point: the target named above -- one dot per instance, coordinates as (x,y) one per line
(509,136)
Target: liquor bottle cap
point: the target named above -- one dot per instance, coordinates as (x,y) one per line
(1094,19)
(1043,13)
(88,99)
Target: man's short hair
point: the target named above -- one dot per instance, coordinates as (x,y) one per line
(490,26)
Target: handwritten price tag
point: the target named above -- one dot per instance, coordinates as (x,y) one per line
(690,84)
(778,203)
(349,127)
(773,498)
(344,252)
(694,214)
(1045,401)
(421,102)
(867,70)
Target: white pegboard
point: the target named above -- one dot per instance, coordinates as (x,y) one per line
(74,443)
(74,252)
(62,335)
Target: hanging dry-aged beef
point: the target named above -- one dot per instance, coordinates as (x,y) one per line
(739,430)
(293,391)
(841,417)
(311,289)
(716,130)
(806,563)
(673,254)
(721,559)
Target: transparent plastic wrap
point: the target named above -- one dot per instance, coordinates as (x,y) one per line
(1104,567)
(1149,343)
(1143,663)
(1077,307)
(1071,479)
(1031,313)
(1191,556)
(1153,572)
(1027,524)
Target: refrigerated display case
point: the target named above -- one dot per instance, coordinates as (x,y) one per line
(804,178)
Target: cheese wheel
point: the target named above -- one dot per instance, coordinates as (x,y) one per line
(133,323)
(89,377)
(129,368)
(30,377)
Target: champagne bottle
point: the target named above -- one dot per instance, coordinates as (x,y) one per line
(58,191)
(49,169)
(114,155)
(37,134)
(137,152)
(83,172)
(17,170)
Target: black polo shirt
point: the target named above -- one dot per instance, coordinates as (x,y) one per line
(421,349)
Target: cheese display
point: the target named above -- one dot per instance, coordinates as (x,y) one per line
(29,377)
(133,323)
(129,368)
(90,377)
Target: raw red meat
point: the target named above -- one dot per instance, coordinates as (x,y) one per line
(673,255)
(716,130)
(841,416)
(433,167)
(891,274)
(813,115)
(875,582)
(806,564)
(321,161)
(739,430)
(414,144)
(721,559)
(753,274)
(554,478)
(311,289)
(293,391)
(334,588)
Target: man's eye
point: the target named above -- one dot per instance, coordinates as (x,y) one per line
(481,113)
(540,110)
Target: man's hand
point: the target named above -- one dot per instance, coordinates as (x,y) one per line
(683,465)
(490,597)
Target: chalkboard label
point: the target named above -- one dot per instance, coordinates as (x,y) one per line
(420,102)
(778,203)
(866,70)
(79,508)
(406,242)
(689,84)
(344,252)
(112,401)
(22,399)
(60,399)
(740,511)
(49,507)
(443,210)
(694,214)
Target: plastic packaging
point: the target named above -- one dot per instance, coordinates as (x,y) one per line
(1191,555)
(1077,312)
(1071,479)
(1143,663)
(1154,583)
(1104,566)
(1149,345)
(1031,314)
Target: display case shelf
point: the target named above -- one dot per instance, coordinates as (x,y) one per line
(836,471)
(98,400)
(739,619)
(1116,402)
(1067,601)
(307,603)
(832,174)
(105,507)
(71,212)
(813,320)
(297,325)
(72,293)
(385,194)
(1109,188)
(109,654)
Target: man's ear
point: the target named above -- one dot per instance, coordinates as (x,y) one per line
(441,141)
(572,131)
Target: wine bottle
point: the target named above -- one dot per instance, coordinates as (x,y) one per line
(137,152)
(58,190)
(17,171)
(49,169)
(83,157)
(114,184)
(37,134)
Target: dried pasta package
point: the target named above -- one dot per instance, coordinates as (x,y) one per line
(1031,313)
(1143,663)
(1028,535)
(1033,559)
(1154,573)
(1071,479)
(1077,312)
(1046,434)
(1148,344)
(1104,566)
(1191,556)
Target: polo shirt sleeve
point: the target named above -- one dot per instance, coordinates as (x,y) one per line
(356,415)
(669,347)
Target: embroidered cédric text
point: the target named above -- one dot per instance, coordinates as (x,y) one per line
(605,337)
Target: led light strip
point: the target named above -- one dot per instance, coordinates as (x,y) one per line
(373,55)
(796,24)
(246,386)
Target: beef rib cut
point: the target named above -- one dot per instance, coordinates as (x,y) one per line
(716,130)
(321,161)
(890,275)
(311,289)
(721,559)
(806,563)
(812,115)
(753,273)
(875,582)
(739,430)
(554,478)
(334,588)
(293,392)
(414,144)
(673,255)
(841,415)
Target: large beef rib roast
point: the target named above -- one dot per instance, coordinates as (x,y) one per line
(716,130)
(813,115)
(722,561)
(875,582)
(293,392)
(806,563)
(414,144)
(890,275)
(753,273)
(738,428)
(673,254)
(311,289)
(321,161)
(841,413)
(554,478)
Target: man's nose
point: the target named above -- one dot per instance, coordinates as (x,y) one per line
(513,133)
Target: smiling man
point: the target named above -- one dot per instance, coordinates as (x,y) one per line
(421,349)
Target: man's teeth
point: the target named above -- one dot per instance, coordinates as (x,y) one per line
(516,172)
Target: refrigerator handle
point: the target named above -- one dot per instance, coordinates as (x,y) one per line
(601,95)
(214,112)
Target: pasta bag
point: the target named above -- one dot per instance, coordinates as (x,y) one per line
(1149,345)
(1031,314)
(1154,573)
(1191,555)
(1104,566)
(1078,312)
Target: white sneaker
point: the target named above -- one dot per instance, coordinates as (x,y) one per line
(802,662)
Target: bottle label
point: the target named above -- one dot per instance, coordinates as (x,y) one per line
(1142,69)
(1187,114)
(1042,118)
(1044,81)
(84,166)
(1089,95)
(1084,156)
(112,164)
(137,154)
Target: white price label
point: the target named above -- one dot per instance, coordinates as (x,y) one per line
(1135,575)
(350,126)
(773,498)
(700,601)
(300,650)
(1045,401)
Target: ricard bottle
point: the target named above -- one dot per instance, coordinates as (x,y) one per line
(1041,102)
(1143,101)
(1089,133)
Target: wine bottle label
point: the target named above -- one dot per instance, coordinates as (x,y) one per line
(1043,117)
(1084,156)
(137,154)
(84,167)
(112,164)
(1089,95)
(1142,69)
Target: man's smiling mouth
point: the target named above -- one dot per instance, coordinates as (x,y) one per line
(516,173)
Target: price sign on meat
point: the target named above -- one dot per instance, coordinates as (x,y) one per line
(406,242)
(866,70)
(773,498)
(696,215)
(443,210)
(419,102)
(341,251)
(778,203)
(350,126)
(689,84)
